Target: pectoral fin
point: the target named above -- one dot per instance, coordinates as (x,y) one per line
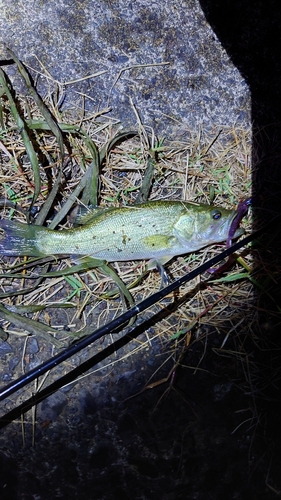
(159,242)
(159,265)
(154,263)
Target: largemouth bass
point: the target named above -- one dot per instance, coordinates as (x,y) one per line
(157,230)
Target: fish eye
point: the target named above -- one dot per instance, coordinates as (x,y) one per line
(216,214)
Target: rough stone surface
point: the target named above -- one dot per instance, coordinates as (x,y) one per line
(74,39)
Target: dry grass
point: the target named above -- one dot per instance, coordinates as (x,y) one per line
(197,167)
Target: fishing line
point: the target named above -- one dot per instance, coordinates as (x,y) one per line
(120,320)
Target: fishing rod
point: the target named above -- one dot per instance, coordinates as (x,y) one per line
(116,323)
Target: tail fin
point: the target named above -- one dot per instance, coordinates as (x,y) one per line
(17,238)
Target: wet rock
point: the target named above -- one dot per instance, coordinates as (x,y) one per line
(88,403)
(5,348)
(32,346)
(14,361)
(52,407)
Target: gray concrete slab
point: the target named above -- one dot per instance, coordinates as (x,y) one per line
(77,38)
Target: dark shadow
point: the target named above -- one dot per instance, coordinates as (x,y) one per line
(250,32)
(71,376)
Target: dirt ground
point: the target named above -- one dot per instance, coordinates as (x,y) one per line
(205,426)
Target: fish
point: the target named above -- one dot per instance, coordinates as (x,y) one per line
(154,230)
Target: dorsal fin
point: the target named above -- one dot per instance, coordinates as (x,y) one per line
(82,215)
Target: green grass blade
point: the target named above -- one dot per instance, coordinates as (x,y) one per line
(25,137)
(44,110)
(108,271)
(146,181)
(32,326)
(89,184)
